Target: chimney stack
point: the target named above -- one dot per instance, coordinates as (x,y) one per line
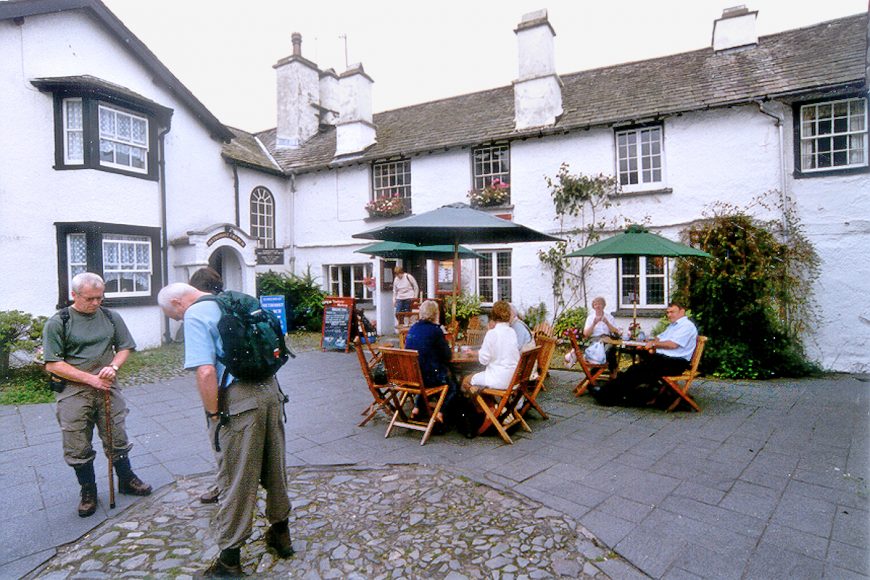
(537,90)
(298,83)
(736,28)
(354,131)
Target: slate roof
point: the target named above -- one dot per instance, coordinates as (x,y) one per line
(808,60)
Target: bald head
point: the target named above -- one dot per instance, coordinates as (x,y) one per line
(176,298)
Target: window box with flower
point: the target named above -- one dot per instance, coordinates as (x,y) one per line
(495,194)
(387,207)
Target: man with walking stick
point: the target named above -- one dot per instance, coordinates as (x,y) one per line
(85,346)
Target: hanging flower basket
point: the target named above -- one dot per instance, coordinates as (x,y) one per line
(386,207)
(496,193)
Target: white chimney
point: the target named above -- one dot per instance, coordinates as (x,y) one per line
(354,131)
(736,28)
(537,90)
(298,81)
(330,99)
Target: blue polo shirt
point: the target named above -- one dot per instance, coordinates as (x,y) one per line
(202,341)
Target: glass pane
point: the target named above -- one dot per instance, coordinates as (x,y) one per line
(137,157)
(107,151)
(629,266)
(143,282)
(107,122)
(75,146)
(76,249)
(629,290)
(73,115)
(122,154)
(485,288)
(139,131)
(485,268)
(504,290)
(123,122)
(113,282)
(655,290)
(75,270)
(128,256)
(111,257)
(655,265)
(504,264)
(143,256)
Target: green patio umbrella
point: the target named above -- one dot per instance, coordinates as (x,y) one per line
(454,224)
(401,250)
(636,240)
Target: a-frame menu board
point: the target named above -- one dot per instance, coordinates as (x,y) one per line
(337,329)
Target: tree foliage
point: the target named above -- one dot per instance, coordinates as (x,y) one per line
(754,298)
(579,201)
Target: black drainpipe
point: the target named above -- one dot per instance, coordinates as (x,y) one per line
(161,166)
(236,189)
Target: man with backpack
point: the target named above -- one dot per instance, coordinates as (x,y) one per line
(244,415)
(85,346)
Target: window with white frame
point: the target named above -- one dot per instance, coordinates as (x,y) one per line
(494,276)
(127,257)
(350,280)
(392,179)
(644,279)
(263,217)
(73,132)
(833,135)
(127,265)
(123,139)
(640,158)
(491,162)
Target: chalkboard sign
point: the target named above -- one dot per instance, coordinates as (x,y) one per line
(337,323)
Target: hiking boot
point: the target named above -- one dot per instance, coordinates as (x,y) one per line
(220,569)
(278,537)
(211,496)
(88,505)
(134,486)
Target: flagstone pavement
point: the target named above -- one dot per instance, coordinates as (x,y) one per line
(769,481)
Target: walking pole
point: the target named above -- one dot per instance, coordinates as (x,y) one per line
(111,452)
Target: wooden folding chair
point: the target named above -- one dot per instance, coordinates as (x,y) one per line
(379,403)
(545,355)
(474,336)
(680,384)
(500,405)
(591,371)
(405,383)
(544,328)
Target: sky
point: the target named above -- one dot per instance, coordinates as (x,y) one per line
(419,51)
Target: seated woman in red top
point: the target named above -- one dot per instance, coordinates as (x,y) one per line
(427,337)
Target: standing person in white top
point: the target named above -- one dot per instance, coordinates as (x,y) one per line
(598,324)
(405,290)
(500,351)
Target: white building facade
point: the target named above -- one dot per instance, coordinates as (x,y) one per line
(748,115)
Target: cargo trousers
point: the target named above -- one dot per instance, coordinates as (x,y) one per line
(79,409)
(251,453)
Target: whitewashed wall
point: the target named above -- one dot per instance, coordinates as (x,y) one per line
(33,195)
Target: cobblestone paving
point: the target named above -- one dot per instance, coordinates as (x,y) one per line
(394,522)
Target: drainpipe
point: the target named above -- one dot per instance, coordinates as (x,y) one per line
(164,241)
(236,190)
(780,123)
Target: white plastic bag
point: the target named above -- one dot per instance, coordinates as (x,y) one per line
(570,359)
(595,353)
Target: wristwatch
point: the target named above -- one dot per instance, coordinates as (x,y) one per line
(115,367)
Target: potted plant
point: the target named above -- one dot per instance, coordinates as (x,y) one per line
(467,306)
(386,206)
(496,193)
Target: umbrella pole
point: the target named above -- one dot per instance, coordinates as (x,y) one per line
(455,284)
(636,292)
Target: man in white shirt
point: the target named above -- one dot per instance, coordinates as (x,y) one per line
(670,354)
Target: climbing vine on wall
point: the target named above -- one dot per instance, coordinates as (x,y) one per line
(580,201)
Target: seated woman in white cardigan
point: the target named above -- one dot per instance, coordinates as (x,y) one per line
(499,352)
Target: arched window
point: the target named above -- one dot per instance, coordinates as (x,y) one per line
(263,217)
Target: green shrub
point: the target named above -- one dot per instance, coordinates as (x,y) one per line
(570,318)
(303,296)
(753,299)
(18,330)
(467,305)
(535,315)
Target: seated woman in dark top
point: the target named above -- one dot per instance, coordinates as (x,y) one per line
(427,337)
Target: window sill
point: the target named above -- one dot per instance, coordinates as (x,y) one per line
(375,218)
(663,190)
(641,313)
(500,207)
(830,172)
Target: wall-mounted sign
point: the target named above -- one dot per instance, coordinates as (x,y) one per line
(270,256)
(226,234)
